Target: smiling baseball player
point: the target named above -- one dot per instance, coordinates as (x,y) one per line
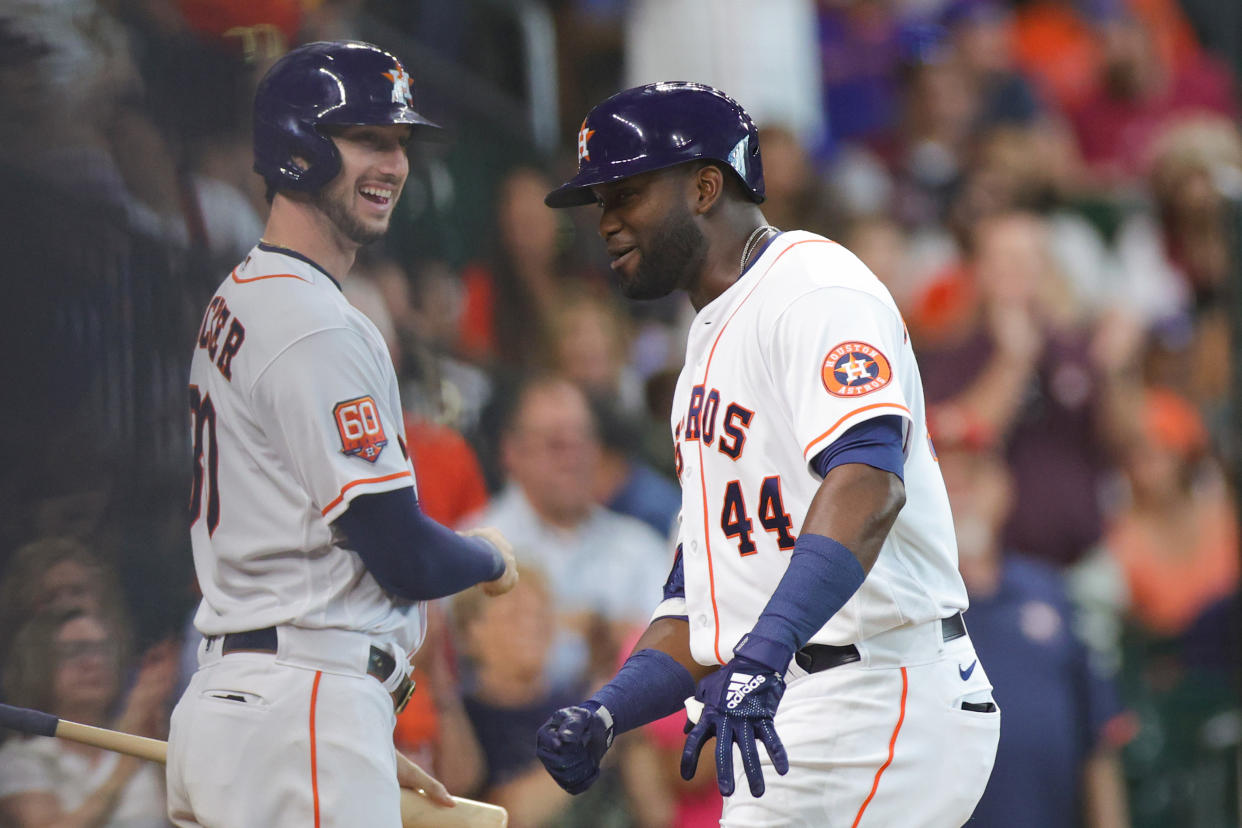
(815,604)
(309,545)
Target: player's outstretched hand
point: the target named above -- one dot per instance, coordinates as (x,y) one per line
(509,578)
(571,743)
(739,701)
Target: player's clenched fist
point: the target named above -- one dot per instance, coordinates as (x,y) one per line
(571,743)
(739,701)
(509,578)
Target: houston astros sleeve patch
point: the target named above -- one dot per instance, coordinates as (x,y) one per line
(362,433)
(852,369)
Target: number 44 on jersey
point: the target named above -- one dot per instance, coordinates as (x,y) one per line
(735,520)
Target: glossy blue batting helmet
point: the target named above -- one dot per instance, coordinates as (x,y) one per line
(342,83)
(659,125)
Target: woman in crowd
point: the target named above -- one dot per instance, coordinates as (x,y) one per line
(71,665)
(1177,541)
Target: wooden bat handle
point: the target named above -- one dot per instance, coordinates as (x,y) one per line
(151,749)
(417,811)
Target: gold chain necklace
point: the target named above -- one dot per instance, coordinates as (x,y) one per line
(752,244)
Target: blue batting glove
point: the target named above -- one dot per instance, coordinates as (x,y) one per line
(739,702)
(571,743)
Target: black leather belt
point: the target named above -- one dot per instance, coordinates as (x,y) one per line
(380,665)
(815,658)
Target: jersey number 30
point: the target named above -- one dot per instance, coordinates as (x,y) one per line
(206,460)
(736,522)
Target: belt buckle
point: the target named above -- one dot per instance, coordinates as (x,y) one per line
(401,696)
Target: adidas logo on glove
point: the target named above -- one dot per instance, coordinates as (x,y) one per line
(740,686)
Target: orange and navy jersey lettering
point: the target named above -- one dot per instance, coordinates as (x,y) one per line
(710,406)
(205,484)
(679,464)
(737,420)
(214,320)
(774,517)
(702,420)
(693,416)
(734,519)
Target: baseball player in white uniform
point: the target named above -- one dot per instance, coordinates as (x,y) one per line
(312,554)
(815,604)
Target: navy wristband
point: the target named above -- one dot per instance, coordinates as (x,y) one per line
(822,576)
(650,685)
(764,652)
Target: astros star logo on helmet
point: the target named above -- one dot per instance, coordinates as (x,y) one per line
(400,85)
(584,135)
(852,369)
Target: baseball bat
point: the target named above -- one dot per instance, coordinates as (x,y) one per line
(417,811)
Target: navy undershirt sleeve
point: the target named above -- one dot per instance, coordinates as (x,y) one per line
(875,442)
(411,555)
(675,586)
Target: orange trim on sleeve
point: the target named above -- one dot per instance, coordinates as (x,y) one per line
(892,744)
(360,482)
(707,530)
(242,281)
(314,766)
(837,424)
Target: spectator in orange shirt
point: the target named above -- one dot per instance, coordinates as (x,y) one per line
(443,457)
(1177,542)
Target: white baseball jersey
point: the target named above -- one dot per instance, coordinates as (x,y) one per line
(807,344)
(295,412)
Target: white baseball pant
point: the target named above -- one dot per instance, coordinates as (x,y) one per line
(259,742)
(879,742)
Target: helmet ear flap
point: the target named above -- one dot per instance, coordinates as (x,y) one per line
(311,159)
(294,156)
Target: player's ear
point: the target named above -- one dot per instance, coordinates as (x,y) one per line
(709,185)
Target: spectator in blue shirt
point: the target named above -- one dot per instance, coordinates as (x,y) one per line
(1062,724)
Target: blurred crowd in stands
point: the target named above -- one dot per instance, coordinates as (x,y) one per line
(1049,188)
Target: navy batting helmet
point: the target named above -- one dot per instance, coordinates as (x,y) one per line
(342,83)
(658,125)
